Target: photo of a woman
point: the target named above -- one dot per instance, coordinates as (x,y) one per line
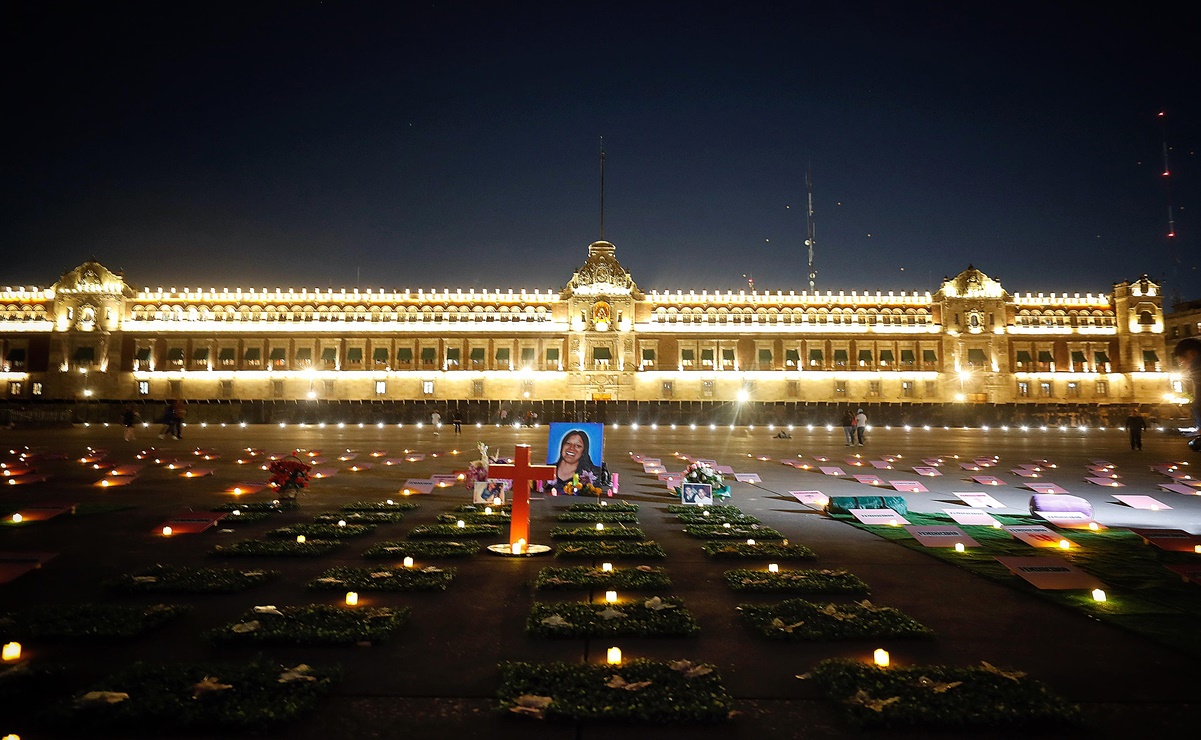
(575,457)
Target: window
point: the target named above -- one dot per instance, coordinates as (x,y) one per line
(707,358)
(328,387)
(907,359)
(840,358)
(404,356)
(601,356)
(707,388)
(14,388)
(1078,361)
(792,358)
(816,359)
(429,356)
(976,358)
(36,389)
(279,357)
(16,359)
(552,356)
(226,357)
(175,357)
(1044,389)
(840,388)
(277,389)
(727,359)
(427,387)
(1023,359)
(648,359)
(477,356)
(667,388)
(1102,388)
(354,356)
(381,387)
(477,388)
(687,357)
(329,356)
(765,359)
(253,357)
(1023,389)
(873,389)
(379,356)
(865,358)
(527,356)
(1073,389)
(141,359)
(907,388)
(452,357)
(929,357)
(502,358)
(792,388)
(304,357)
(1101,361)
(886,359)
(930,389)
(143,387)
(1150,360)
(227,389)
(1046,361)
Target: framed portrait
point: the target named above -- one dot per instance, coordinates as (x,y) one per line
(575,449)
(488,491)
(696,493)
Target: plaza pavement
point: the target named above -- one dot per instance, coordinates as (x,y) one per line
(437,677)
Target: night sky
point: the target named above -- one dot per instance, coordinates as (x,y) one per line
(456,144)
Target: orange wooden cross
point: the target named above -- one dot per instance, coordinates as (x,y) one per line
(522,474)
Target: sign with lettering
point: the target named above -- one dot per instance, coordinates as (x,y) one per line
(830,470)
(1180,488)
(1026,473)
(811,498)
(748,478)
(414,485)
(928,472)
(1189,572)
(869,480)
(940,536)
(1046,488)
(1066,518)
(979,500)
(988,480)
(1035,535)
(1107,482)
(653,469)
(908,486)
(881,465)
(962,515)
(1050,573)
(886,517)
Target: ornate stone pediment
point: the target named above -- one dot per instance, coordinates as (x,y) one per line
(602,274)
(971,283)
(93,278)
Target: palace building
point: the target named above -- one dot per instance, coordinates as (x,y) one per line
(599,338)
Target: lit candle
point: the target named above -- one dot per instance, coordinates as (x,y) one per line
(166,531)
(607,567)
(461,524)
(614,656)
(1098,595)
(341,522)
(959,547)
(390,502)
(773,568)
(610,597)
(12,651)
(300,538)
(17,518)
(352,598)
(1094,526)
(600,527)
(519,547)
(408,561)
(1065,545)
(750,542)
(725,525)
(487,509)
(881,657)
(496,501)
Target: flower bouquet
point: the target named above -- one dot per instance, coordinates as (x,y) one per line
(477,471)
(288,476)
(699,472)
(582,484)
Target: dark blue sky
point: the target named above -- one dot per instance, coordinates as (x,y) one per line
(455,144)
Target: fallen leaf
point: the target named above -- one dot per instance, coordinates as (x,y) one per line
(657,604)
(102,697)
(268,610)
(207,685)
(298,673)
(555,620)
(611,613)
(243,627)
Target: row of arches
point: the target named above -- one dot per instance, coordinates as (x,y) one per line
(1064,318)
(361,313)
(864,316)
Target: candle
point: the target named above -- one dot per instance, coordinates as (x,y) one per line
(519,546)
(166,531)
(600,527)
(1065,545)
(352,598)
(610,597)
(1098,595)
(773,568)
(959,547)
(12,651)
(496,501)
(1094,526)
(881,657)
(17,518)
(607,567)
(487,509)
(614,656)
(461,524)
(341,522)
(408,561)
(300,538)
(750,542)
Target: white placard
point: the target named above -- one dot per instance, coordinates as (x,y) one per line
(940,536)
(748,478)
(887,517)
(908,486)
(654,469)
(1142,502)
(1035,535)
(1065,518)
(881,465)
(1046,488)
(971,516)
(830,470)
(1050,573)
(869,480)
(979,500)
(928,472)
(811,498)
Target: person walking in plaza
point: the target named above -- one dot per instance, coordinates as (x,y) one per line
(178,412)
(457,419)
(129,418)
(1135,424)
(848,427)
(861,426)
(168,420)
(436,420)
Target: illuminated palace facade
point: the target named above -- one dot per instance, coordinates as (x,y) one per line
(600,338)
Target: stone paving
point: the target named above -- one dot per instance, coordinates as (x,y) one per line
(437,677)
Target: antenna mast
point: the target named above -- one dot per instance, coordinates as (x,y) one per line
(811,238)
(602,193)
